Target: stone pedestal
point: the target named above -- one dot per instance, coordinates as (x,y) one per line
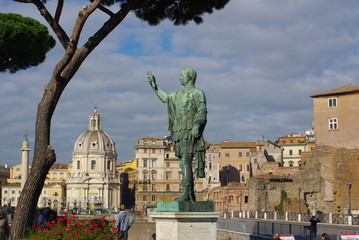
(185,225)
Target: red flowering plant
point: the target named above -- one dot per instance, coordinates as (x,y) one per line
(66,227)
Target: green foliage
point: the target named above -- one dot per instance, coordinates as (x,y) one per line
(283,197)
(178,12)
(24,42)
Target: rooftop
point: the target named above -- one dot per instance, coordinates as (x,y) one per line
(342,90)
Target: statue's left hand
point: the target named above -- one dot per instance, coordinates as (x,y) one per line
(195,133)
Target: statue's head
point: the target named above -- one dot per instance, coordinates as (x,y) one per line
(190,73)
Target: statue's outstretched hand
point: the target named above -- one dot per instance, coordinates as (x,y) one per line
(151,79)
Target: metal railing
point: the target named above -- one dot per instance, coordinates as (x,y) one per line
(330,218)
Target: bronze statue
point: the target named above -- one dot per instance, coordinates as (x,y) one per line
(187,117)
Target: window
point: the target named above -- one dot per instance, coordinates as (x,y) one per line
(153,142)
(168,176)
(153,163)
(240,167)
(210,157)
(145,187)
(144,163)
(45,192)
(227,154)
(227,168)
(153,150)
(247,166)
(247,154)
(245,199)
(180,187)
(290,152)
(240,154)
(144,142)
(243,179)
(93,164)
(144,198)
(145,150)
(180,176)
(291,164)
(78,165)
(210,166)
(167,155)
(227,179)
(153,175)
(153,198)
(255,160)
(144,176)
(5,191)
(12,192)
(167,164)
(167,187)
(332,102)
(299,151)
(17,169)
(153,187)
(108,165)
(333,123)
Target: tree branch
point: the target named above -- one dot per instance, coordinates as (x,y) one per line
(24,1)
(73,42)
(60,5)
(60,33)
(106,10)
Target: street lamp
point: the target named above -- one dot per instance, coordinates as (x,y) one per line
(265,202)
(240,203)
(350,206)
(299,190)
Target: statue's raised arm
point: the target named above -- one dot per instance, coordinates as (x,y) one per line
(160,93)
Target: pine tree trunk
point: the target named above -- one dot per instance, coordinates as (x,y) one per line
(44,157)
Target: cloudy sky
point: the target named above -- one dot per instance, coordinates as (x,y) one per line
(258,61)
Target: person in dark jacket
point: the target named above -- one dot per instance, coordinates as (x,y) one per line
(313,227)
(4,227)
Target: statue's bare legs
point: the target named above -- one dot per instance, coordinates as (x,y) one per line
(187,179)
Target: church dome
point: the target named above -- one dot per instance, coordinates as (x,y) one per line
(94,140)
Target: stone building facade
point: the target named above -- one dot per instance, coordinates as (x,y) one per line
(159,175)
(93,182)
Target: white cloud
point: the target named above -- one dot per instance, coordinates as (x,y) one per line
(257,61)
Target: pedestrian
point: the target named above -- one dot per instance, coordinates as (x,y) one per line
(4,226)
(313,227)
(325,236)
(123,223)
(40,218)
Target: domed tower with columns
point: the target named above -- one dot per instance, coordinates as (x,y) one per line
(93,182)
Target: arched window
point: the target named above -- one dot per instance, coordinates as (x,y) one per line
(93,164)
(78,164)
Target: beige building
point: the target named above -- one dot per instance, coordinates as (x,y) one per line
(335,115)
(158,173)
(53,193)
(235,161)
(267,153)
(93,181)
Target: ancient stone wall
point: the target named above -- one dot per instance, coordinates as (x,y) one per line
(323,182)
